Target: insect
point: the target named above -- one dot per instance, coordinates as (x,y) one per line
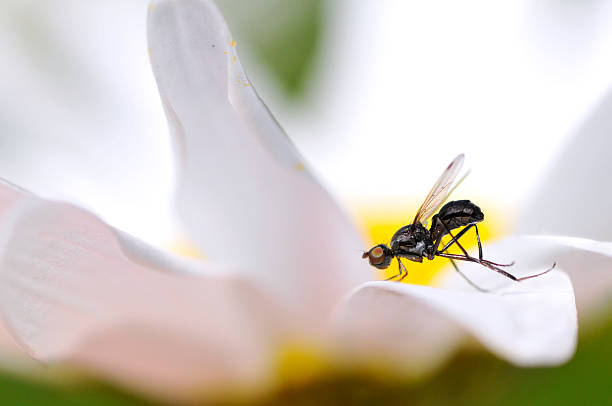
(415,242)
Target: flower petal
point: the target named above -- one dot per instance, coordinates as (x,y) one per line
(574,198)
(529,323)
(80,120)
(376,324)
(73,288)
(587,262)
(244,193)
(10,196)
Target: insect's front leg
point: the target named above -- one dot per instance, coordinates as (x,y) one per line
(402,268)
(400,271)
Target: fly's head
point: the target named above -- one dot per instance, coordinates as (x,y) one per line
(379,256)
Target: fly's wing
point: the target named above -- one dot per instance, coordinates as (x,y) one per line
(440,191)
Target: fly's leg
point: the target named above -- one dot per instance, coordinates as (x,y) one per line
(392,277)
(482,262)
(455,240)
(491,266)
(451,242)
(478,288)
(538,274)
(479,244)
(439,225)
(402,267)
(402,272)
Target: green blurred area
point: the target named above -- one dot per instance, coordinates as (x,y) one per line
(283,35)
(19,390)
(470,379)
(480,379)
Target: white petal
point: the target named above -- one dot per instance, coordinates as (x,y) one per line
(10,196)
(244,193)
(575,197)
(531,323)
(81,120)
(382,325)
(587,262)
(72,288)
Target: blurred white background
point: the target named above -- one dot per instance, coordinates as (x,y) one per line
(396,89)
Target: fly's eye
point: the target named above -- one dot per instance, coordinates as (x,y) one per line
(379,256)
(377,253)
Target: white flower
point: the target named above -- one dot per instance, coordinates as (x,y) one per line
(74,288)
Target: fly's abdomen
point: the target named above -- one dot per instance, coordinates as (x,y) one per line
(460,213)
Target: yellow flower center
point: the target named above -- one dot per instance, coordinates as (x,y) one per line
(380,222)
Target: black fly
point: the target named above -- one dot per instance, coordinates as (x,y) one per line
(415,242)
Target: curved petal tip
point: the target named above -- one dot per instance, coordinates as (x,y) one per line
(529,323)
(244,194)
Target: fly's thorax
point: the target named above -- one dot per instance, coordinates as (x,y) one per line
(412,242)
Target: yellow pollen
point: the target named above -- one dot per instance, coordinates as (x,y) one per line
(233,43)
(299,166)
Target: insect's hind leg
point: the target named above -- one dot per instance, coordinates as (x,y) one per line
(480,250)
(483,262)
(478,288)
(455,240)
(479,244)
(491,266)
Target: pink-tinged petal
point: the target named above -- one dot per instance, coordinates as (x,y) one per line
(531,323)
(72,288)
(245,194)
(10,196)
